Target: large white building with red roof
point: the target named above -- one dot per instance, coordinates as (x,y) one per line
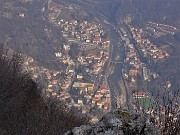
(139,94)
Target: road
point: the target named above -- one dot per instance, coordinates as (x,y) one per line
(117,91)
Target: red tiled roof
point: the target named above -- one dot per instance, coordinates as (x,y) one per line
(139,94)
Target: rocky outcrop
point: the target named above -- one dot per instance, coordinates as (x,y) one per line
(118,122)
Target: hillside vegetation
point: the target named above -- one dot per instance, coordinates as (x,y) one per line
(24,109)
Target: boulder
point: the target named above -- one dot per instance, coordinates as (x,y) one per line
(117,122)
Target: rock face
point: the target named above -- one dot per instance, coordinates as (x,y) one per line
(118,122)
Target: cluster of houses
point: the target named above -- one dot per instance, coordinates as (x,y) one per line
(62,55)
(133,64)
(143,51)
(81,85)
(97,59)
(102,98)
(157,30)
(147,48)
(87,98)
(54,10)
(51,80)
(143,102)
(85,33)
(73,86)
